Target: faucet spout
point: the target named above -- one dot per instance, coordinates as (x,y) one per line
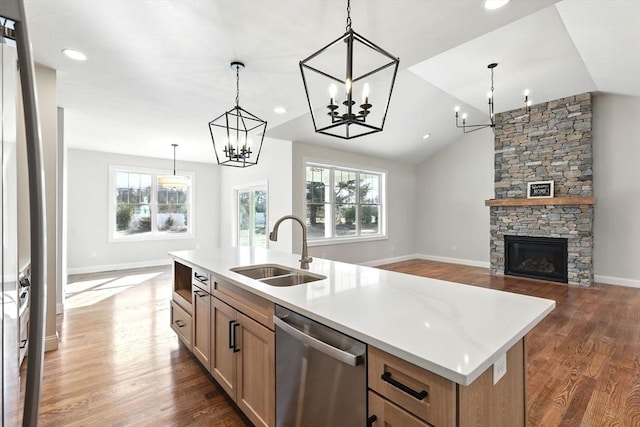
(273,236)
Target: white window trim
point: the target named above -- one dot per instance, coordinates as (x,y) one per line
(346,166)
(154,235)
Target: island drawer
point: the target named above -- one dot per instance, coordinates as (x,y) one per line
(201,278)
(181,324)
(252,305)
(384,413)
(423,393)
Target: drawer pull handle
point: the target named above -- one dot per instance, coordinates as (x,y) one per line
(200,278)
(23,344)
(372,419)
(199,294)
(420,395)
(180,323)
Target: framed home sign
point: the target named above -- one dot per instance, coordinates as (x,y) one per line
(540,190)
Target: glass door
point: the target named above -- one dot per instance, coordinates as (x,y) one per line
(253,226)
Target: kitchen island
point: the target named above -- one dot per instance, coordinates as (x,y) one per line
(451,331)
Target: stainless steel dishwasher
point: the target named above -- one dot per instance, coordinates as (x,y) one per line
(321,375)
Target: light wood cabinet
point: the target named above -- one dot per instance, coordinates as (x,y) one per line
(256,371)
(243,362)
(181,324)
(403,394)
(384,413)
(223,364)
(201,308)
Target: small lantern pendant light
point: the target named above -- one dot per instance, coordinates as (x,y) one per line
(333,87)
(174,182)
(237,135)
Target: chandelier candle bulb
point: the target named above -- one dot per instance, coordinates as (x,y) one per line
(333,89)
(365,93)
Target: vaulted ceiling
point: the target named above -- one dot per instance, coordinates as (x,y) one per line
(158,70)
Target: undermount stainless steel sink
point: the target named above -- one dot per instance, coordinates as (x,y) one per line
(292,279)
(262,271)
(277,275)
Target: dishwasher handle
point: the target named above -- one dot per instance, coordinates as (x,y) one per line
(329,350)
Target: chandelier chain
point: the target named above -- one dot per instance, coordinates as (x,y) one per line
(237,86)
(348,15)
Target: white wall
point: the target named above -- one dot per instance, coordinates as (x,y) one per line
(88,210)
(616,186)
(401,206)
(274,169)
(452,187)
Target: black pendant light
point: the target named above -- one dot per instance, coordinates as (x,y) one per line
(351,99)
(237,135)
(524,118)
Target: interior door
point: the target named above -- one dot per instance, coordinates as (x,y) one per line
(252,217)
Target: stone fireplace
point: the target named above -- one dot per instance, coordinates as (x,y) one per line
(555,145)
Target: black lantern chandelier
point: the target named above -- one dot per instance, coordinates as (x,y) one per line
(237,134)
(326,77)
(467,128)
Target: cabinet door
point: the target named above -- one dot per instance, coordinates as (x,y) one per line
(223,358)
(256,371)
(384,413)
(201,303)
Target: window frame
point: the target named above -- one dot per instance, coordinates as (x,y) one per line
(334,239)
(154,235)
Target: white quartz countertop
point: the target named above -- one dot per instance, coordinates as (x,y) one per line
(454,330)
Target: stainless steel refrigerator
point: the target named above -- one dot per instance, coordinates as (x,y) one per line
(15,49)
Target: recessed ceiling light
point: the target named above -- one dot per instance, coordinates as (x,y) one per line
(74,54)
(280,110)
(426,136)
(494,4)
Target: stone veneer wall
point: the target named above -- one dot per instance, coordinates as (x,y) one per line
(555,145)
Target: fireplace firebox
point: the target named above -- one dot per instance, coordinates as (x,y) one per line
(536,257)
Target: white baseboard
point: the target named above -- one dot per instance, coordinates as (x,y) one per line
(384,261)
(51,342)
(469,262)
(125,266)
(608,280)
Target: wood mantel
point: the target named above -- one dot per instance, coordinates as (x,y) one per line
(542,201)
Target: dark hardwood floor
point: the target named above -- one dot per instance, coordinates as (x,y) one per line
(119,363)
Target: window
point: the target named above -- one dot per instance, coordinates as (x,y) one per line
(141,208)
(252,216)
(343,203)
